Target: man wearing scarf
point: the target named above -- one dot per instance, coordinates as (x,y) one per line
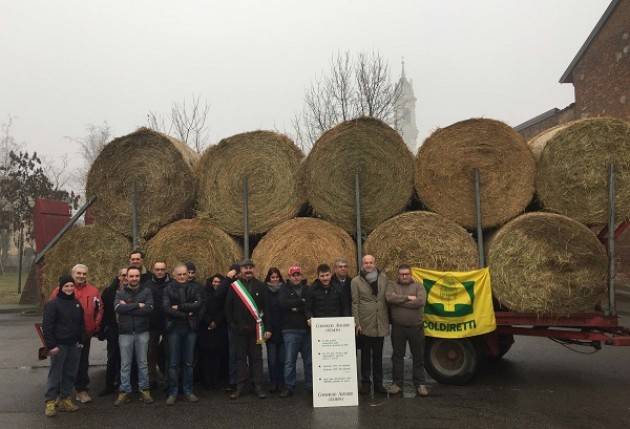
(369,309)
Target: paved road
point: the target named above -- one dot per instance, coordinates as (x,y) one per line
(539,384)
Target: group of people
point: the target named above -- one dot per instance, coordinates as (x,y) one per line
(159,325)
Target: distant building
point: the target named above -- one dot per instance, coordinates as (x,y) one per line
(600,74)
(405,112)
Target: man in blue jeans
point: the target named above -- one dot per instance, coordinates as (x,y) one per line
(133,305)
(295,331)
(181,304)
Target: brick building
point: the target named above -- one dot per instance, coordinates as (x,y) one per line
(600,74)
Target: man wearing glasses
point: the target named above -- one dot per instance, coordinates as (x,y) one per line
(406,302)
(157,281)
(295,333)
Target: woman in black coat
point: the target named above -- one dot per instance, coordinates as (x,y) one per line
(212,337)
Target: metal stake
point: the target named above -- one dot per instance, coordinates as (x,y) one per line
(21,250)
(612,310)
(63,230)
(246,217)
(482,256)
(357,202)
(134,215)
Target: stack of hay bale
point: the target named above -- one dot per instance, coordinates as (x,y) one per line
(421,212)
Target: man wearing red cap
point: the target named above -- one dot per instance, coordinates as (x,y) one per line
(295,332)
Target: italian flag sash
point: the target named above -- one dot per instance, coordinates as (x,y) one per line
(241,291)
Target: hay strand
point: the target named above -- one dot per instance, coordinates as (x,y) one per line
(547,264)
(103,251)
(271,163)
(383,161)
(161,168)
(422,239)
(572,176)
(445,167)
(196,240)
(307,242)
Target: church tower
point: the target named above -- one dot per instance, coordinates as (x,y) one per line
(405,112)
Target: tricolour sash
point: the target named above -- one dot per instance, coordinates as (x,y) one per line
(249,303)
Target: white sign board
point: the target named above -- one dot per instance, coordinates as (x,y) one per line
(334,362)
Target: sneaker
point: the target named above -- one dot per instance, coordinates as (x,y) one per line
(365,388)
(191,397)
(236,393)
(171,400)
(122,398)
(145,396)
(423,390)
(286,392)
(83,397)
(67,405)
(394,389)
(50,408)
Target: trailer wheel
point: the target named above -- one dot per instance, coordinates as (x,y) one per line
(451,361)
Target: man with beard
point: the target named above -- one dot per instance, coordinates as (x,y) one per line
(247,315)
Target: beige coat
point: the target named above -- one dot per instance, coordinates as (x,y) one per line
(370,312)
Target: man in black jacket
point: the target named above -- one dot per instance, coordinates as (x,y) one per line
(133,305)
(136,259)
(246,341)
(295,332)
(156,283)
(341,281)
(323,299)
(109,332)
(182,304)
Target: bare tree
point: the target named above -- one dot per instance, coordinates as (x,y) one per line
(358,85)
(7,141)
(90,147)
(187,122)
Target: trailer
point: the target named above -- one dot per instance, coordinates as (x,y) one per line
(456,361)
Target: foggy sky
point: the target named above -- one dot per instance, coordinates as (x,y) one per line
(69,63)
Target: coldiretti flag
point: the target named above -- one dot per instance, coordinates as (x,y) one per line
(459,304)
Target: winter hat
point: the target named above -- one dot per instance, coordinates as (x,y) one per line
(65,279)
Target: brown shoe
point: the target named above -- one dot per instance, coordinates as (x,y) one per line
(67,405)
(394,389)
(51,411)
(145,396)
(423,390)
(83,397)
(122,398)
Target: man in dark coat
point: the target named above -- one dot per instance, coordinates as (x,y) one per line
(156,283)
(246,341)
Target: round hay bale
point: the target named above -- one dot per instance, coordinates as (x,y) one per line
(161,168)
(307,242)
(270,161)
(547,264)
(196,240)
(445,165)
(103,251)
(572,177)
(385,167)
(422,239)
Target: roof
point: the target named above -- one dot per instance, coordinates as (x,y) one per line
(536,119)
(567,76)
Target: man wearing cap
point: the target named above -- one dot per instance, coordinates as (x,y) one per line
(247,315)
(295,332)
(90,299)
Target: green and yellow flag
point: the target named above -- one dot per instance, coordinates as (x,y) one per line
(459,304)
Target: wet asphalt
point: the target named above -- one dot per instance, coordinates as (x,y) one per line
(539,384)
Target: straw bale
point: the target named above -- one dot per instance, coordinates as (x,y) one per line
(271,163)
(307,242)
(197,240)
(572,176)
(385,167)
(422,239)
(162,169)
(103,250)
(547,264)
(445,166)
